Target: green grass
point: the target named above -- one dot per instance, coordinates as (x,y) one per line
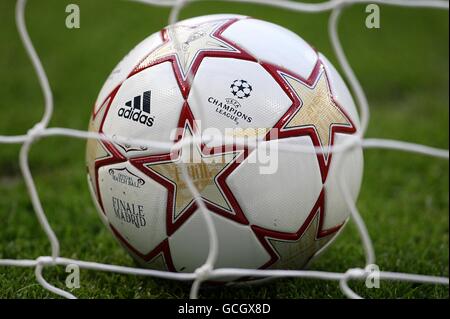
(404,199)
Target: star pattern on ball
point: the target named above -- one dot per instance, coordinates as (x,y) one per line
(186,42)
(318,110)
(100,153)
(203,171)
(295,250)
(241,89)
(297,253)
(95,150)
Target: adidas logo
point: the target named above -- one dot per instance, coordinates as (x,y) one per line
(136,111)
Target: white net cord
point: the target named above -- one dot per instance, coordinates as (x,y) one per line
(207,271)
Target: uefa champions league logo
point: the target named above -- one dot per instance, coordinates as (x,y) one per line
(241,89)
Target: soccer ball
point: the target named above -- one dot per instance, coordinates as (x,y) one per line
(243,78)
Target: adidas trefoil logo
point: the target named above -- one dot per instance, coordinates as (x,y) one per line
(136,111)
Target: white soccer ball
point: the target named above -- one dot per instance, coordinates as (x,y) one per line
(224,72)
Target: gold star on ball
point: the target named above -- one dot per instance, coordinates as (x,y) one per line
(296,254)
(95,150)
(186,42)
(203,171)
(317,110)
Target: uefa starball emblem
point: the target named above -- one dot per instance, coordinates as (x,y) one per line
(241,89)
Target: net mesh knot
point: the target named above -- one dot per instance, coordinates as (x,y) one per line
(35,132)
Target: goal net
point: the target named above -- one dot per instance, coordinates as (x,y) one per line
(208,271)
